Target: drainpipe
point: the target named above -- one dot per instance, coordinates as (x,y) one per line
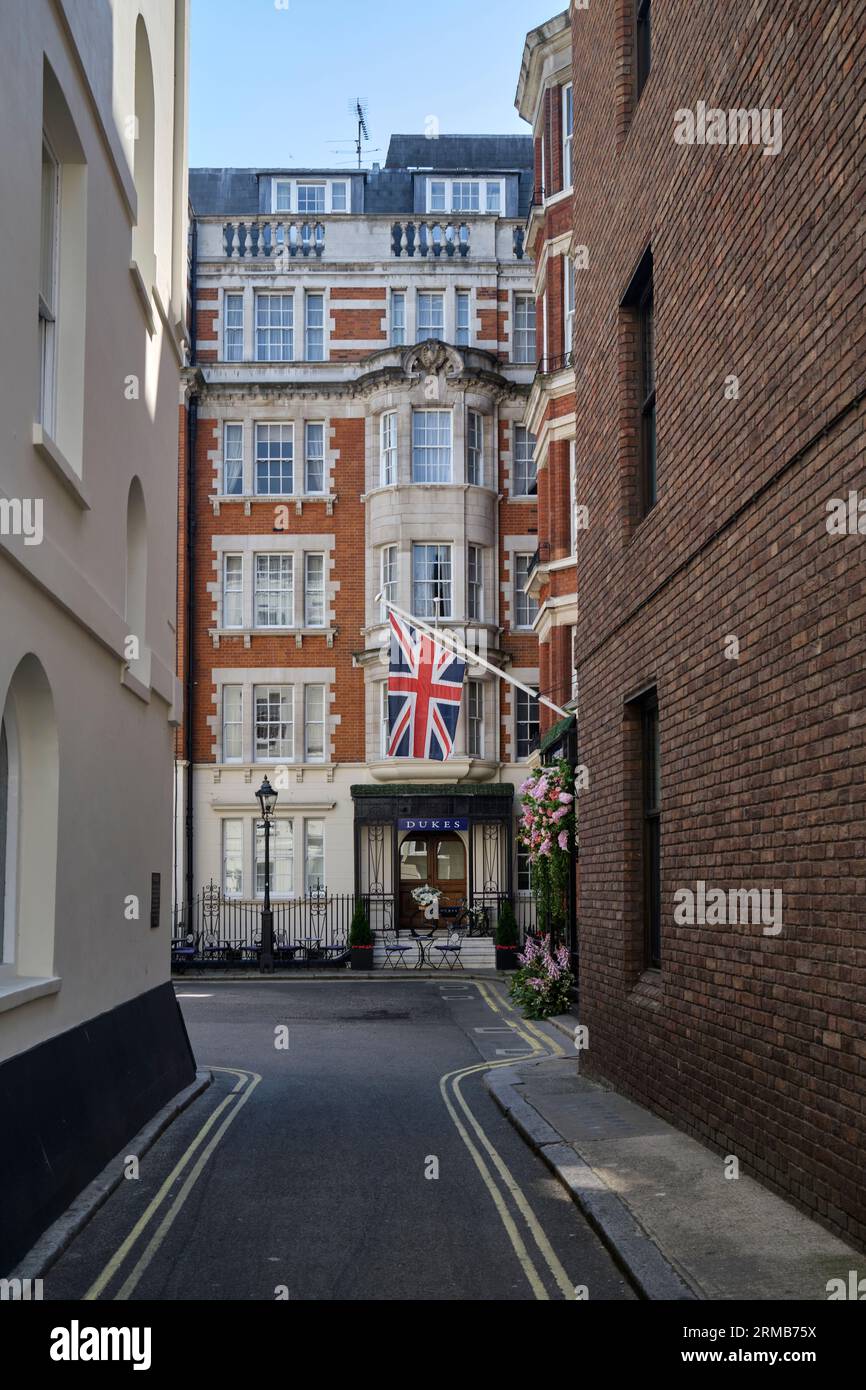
(191,431)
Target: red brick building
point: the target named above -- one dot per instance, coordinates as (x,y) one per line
(718,189)
(365,344)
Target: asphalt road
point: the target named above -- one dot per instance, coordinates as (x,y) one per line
(330,1160)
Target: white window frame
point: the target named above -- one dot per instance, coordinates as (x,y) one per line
(523,715)
(443,452)
(384,724)
(389,559)
(475,582)
(475,448)
(288,720)
(286,330)
(496,209)
(234,588)
(306,184)
(49,287)
(524,606)
(524,337)
(233,719)
(447,553)
(282,829)
(276,185)
(463,331)
(346,185)
(475,718)
(233,458)
(567,134)
(286,440)
(437,183)
(309,723)
(233,345)
(388,449)
(309,885)
(524,471)
(446,204)
(315,593)
(397,318)
(267,563)
(436,328)
(317,458)
(314,333)
(237,853)
(568,302)
(572,494)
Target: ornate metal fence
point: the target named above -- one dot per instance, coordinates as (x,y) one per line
(220,931)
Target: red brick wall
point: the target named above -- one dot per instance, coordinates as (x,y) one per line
(346,524)
(752,1042)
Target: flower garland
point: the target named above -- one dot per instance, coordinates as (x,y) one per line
(547,830)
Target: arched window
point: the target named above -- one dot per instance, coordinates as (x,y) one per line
(143,163)
(29,791)
(135,608)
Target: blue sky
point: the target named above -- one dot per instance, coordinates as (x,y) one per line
(271,86)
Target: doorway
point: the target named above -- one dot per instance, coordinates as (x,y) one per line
(437,860)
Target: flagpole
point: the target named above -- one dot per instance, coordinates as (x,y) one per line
(455,645)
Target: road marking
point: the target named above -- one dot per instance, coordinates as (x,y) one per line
(506,1029)
(506,1177)
(193,996)
(117,1259)
(510,1052)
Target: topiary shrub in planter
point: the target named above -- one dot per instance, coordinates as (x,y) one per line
(507,938)
(360,940)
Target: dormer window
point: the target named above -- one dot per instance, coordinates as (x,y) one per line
(310,197)
(465,196)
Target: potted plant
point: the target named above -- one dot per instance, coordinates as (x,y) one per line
(507,938)
(360,940)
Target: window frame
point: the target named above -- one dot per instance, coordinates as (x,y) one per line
(446,553)
(309,588)
(474,448)
(437,330)
(524,339)
(528,718)
(642,45)
(567,134)
(308,821)
(388,449)
(475,582)
(238,853)
(309,723)
(308,457)
(233,328)
(235,589)
(49,271)
(523,606)
(286,566)
(286,330)
(389,562)
(437,448)
(475,719)
(233,723)
(651,812)
(287,691)
(524,469)
(228,491)
(281,827)
(314,334)
(397,331)
(463,331)
(286,437)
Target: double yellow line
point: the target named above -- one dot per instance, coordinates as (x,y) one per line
(539,1045)
(233,1103)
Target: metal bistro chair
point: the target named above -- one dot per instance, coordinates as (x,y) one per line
(395,950)
(450,950)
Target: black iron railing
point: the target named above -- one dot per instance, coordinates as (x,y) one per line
(219,930)
(546,365)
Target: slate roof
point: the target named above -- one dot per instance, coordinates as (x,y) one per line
(235,192)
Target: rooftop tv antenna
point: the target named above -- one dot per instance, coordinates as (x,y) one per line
(358,108)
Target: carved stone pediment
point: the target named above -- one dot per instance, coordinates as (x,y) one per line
(431,357)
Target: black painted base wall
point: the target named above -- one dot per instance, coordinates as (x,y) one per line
(70,1104)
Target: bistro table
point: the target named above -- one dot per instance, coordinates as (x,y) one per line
(425,942)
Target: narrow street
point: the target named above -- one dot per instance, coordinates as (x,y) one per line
(302,1172)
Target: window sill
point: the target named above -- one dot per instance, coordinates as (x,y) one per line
(647,992)
(135,685)
(143,296)
(60,466)
(22,988)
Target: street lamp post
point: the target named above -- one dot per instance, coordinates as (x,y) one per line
(267,800)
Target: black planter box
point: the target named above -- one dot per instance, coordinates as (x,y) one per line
(506,957)
(362,957)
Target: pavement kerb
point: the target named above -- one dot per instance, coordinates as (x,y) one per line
(653,1276)
(346,976)
(52,1243)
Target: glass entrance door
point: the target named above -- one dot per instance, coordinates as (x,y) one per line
(439,861)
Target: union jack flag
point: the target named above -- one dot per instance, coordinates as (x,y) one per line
(425,685)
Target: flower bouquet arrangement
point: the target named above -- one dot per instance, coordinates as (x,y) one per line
(542,983)
(547,831)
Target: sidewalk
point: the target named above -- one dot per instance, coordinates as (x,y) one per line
(660,1200)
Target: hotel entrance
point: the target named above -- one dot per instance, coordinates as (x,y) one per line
(433,860)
